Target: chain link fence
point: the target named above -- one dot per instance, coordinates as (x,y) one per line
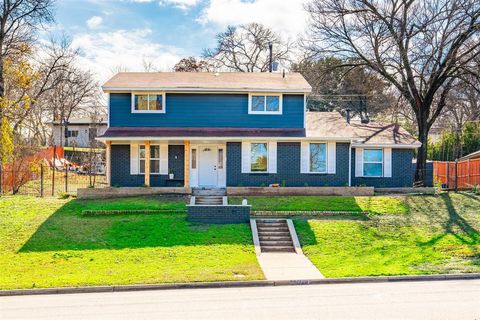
(49,181)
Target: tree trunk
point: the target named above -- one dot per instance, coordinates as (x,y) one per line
(420,172)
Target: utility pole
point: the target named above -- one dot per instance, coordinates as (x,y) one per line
(270,61)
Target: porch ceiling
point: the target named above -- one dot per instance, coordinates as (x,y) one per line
(169,132)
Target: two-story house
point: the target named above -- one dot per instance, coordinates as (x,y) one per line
(242,129)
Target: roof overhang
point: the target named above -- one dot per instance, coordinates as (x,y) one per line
(386,145)
(205,90)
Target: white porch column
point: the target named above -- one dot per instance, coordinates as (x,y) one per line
(147,163)
(186,170)
(108,162)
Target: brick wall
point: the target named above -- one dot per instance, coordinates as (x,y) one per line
(121,167)
(219,214)
(288,168)
(402,174)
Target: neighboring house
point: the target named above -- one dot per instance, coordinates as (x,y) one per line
(80,132)
(242,129)
(471,156)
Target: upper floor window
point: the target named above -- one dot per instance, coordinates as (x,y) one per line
(265,104)
(148,102)
(372,162)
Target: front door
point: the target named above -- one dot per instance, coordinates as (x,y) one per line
(207,173)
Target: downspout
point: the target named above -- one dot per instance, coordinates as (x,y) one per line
(350,164)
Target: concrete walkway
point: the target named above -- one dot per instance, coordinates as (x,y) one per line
(287,266)
(284,265)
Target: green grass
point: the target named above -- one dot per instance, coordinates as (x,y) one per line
(48,243)
(374,205)
(439,234)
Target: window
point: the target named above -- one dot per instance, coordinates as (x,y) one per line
(148,103)
(72,133)
(154,159)
(220,158)
(265,104)
(194,158)
(372,163)
(258,157)
(318,157)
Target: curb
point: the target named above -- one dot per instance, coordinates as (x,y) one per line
(238,284)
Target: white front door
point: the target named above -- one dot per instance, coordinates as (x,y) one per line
(207,166)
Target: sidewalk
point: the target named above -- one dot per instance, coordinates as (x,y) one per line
(287,266)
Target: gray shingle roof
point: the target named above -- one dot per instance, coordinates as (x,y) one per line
(209,81)
(332,125)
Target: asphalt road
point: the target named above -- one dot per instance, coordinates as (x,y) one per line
(402,300)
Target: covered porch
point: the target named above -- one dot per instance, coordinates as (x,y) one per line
(166,163)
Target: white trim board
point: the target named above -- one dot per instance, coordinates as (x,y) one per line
(203,90)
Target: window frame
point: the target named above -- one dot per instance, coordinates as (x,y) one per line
(136,93)
(373,162)
(268,160)
(70,133)
(140,159)
(265,94)
(326,158)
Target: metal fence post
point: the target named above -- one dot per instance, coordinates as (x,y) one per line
(41,180)
(66,178)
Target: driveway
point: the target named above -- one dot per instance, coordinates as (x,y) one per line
(402,300)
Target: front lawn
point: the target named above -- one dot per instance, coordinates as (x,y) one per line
(438,234)
(48,243)
(374,205)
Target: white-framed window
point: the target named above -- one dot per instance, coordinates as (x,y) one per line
(148,102)
(72,133)
(372,162)
(259,157)
(265,103)
(154,159)
(317,157)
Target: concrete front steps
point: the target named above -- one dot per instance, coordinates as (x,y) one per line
(207,192)
(209,196)
(274,235)
(209,200)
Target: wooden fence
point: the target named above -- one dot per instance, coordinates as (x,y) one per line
(463,174)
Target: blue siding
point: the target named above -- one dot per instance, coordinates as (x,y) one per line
(121,176)
(288,168)
(402,174)
(206,110)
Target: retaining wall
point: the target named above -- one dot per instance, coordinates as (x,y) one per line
(218,214)
(300,191)
(91,193)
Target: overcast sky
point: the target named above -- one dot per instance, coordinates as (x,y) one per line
(124,33)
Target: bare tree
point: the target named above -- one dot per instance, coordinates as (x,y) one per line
(335,87)
(191,64)
(49,71)
(246,48)
(18,21)
(420,47)
(74,94)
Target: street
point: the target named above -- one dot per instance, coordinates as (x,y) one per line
(402,300)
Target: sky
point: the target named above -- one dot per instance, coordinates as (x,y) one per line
(114,35)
